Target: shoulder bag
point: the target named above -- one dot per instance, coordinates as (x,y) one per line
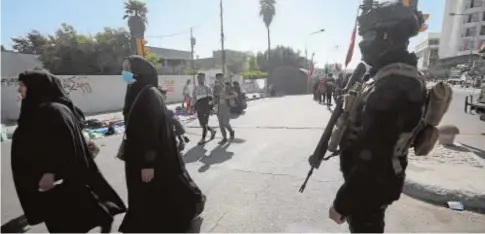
(121,150)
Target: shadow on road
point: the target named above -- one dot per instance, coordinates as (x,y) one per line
(480,153)
(17,225)
(457,148)
(235,116)
(218,155)
(194,154)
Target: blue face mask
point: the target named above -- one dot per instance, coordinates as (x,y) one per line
(128,77)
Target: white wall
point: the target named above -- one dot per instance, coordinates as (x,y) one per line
(93,94)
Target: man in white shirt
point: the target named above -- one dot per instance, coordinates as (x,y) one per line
(203,105)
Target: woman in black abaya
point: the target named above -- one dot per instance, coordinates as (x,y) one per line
(56,179)
(161,195)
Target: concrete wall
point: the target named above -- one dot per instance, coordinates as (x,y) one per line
(93,94)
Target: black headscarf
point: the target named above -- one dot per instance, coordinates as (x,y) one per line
(145,74)
(43,87)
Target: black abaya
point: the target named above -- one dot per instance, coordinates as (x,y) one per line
(171,200)
(48,139)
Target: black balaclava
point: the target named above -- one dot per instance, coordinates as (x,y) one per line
(43,87)
(145,74)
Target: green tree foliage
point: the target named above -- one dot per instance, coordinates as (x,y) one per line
(280,56)
(3,48)
(152,57)
(267,11)
(136,13)
(136,8)
(236,65)
(69,53)
(32,43)
(253,64)
(254,75)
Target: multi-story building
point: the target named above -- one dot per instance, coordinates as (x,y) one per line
(172,62)
(427,51)
(463,28)
(236,61)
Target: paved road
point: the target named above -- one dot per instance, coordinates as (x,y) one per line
(470,126)
(252,185)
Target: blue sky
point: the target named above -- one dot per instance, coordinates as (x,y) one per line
(244,29)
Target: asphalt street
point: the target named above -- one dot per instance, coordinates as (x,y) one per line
(252,184)
(472,130)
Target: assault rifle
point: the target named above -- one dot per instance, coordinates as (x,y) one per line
(323,146)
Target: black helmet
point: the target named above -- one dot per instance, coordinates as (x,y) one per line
(399,20)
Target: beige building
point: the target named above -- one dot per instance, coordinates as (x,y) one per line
(427,51)
(463,28)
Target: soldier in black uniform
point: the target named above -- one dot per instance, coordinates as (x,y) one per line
(374,159)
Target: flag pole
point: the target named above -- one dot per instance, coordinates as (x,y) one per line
(350,51)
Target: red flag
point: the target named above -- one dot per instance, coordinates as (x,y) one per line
(350,52)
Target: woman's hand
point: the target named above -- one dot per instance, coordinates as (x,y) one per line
(147,174)
(46,183)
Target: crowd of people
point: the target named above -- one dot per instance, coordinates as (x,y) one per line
(327,87)
(58,181)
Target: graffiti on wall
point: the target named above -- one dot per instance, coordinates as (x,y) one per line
(169,85)
(76,84)
(69,83)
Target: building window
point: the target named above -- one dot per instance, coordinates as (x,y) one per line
(470,32)
(467,45)
(471,18)
(473,4)
(483,17)
(482,30)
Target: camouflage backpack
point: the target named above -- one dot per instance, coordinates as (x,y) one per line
(438,98)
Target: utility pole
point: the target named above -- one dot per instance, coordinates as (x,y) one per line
(192,65)
(222,42)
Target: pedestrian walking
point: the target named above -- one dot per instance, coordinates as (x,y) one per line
(56,178)
(161,195)
(322,90)
(177,126)
(227,99)
(329,88)
(186,94)
(203,105)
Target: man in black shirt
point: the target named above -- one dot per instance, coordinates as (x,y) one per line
(203,105)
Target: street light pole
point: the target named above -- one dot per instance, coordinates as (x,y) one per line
(222,41)
(306,45)
(192,65)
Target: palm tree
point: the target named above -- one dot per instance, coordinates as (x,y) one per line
(136,13)
(267,10)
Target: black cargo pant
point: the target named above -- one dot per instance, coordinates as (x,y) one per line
(367,220)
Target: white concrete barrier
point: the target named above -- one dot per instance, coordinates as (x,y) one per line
(93,94)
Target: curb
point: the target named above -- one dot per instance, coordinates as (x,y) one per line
(440,196)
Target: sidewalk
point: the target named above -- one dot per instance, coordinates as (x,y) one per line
(447,174)
(119,114)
